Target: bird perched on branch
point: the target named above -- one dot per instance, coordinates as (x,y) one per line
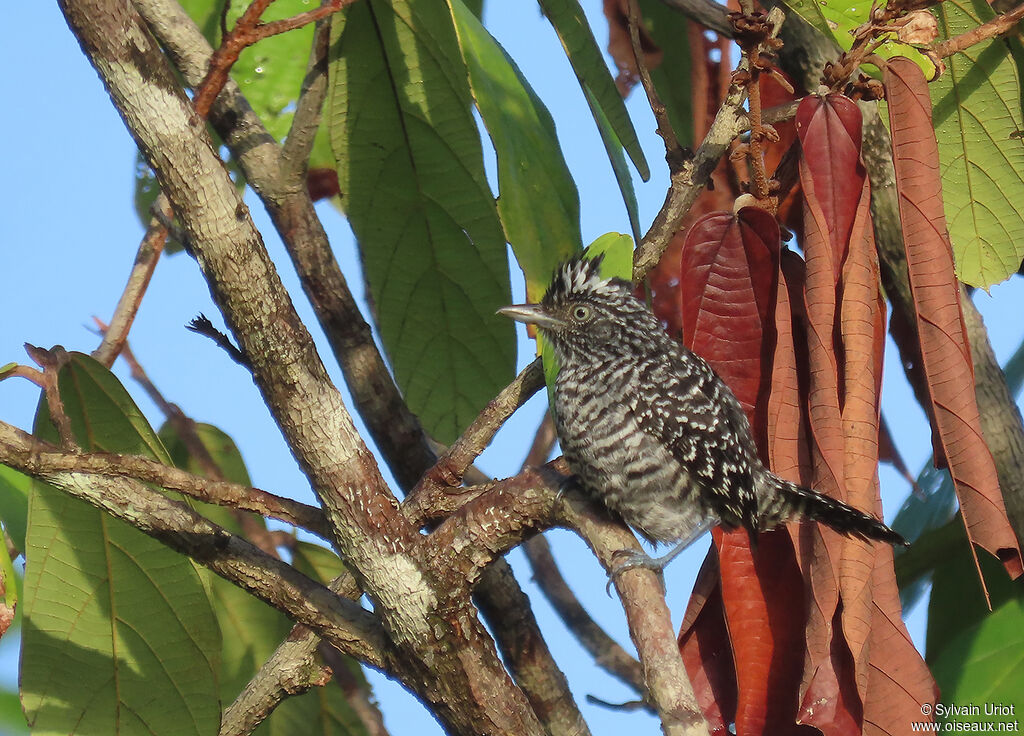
(650,429)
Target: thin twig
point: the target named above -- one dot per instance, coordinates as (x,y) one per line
(687,184)
(673,151)
(996,27)
(24,371)
(150,248)
(247,31)
(450,467)
(298,144)
(225,56)
(202,325)
(344,623)
(51,362)
(50,460)
(273,28)
(755,34)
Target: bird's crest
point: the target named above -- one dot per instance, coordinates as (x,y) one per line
(581,275)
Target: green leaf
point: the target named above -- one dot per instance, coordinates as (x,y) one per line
(618,255)
(976,655)
(538,203)
(587,61)
(613,148)
(250,628)
(8,590)
(147,189)
(838,19)
(957,601)
(673,77)
(119,635)
(12,720)
(977,117)
(14,489)
(618,263)
(810,11)
(269,72)
(983,664)
(410,167)
(221,449)
(317,562)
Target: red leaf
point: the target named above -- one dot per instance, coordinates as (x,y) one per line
(727,291)
(899,682)
(709,84)
(830,132)
(786,426)
(845,340)
(706,650)
(944,346)
(766,627)
(831,703)
(862,332)
(322,183)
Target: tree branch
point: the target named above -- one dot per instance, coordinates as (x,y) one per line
(673,151)
(345,624)
(298,144)
(152,245)
(687,183)
(425,609)
(291,670)
(395,430)
(420,607)
(46,459)
(529,502)
(447,472)
(998,26)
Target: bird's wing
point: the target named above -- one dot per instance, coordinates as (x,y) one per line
(698,419)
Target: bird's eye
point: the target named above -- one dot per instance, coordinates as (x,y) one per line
(581,313)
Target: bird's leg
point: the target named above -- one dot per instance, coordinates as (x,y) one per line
(630,559)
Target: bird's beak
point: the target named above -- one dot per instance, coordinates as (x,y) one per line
(531,314)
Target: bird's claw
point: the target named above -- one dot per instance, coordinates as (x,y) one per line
(569,484)
(631,559)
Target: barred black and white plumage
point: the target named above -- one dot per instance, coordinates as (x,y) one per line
(650,429)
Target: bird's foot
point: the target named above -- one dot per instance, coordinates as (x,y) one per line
(632,559)
(569,484)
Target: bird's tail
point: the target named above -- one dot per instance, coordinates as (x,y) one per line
(800,502)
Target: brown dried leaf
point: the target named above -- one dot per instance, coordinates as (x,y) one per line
(944,347)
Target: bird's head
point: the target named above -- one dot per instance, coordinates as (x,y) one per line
(581,311)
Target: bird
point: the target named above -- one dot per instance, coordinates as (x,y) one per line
(650,430)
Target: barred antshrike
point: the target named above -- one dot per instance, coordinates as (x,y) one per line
(650,429)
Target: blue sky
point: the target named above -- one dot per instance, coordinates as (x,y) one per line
(68,234)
